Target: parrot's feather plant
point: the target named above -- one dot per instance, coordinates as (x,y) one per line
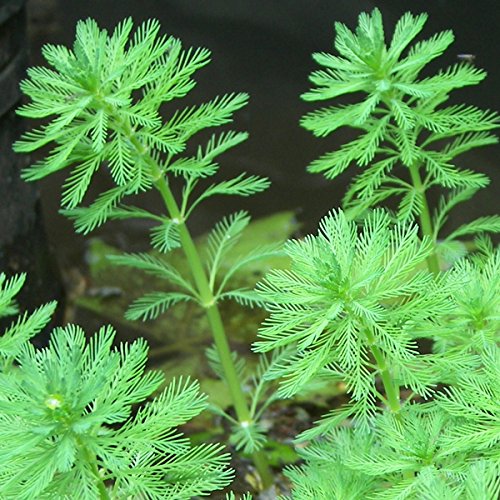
(70,423)
(361,294)
(102,101)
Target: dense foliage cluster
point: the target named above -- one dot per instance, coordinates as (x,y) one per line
(69,419)
(357,298)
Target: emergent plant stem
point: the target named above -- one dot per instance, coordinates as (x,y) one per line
(425,218)
(213,316)
(207,299)
(390,386)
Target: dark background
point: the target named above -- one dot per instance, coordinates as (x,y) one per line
(264,47)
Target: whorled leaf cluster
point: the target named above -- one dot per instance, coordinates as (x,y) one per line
(405,456)
(344,305)
(102,101)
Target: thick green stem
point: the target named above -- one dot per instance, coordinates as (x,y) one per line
(390,386)
(425,218)
(214,318)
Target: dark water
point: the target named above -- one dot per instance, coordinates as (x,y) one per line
(263,47)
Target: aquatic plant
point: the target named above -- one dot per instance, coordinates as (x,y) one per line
(102,101)
(358,297)
(407,141)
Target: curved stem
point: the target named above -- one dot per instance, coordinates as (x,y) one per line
(425,218)
(207,299)
(213,316)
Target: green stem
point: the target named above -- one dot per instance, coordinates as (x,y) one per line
(207,299)
(91,459)
(213,316)
(390,386)
(425,218)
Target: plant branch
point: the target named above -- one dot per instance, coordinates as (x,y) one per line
(92,460)
(425,218)
(390,385)
(213,316)
(207,298)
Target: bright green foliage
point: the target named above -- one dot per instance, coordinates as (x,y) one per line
(357,300)
(409,446)
(474,322)
(103,100)
(475,402)
(346,293)
(8,290)
(231,496)
(153,304)
(225,235)
(68,423)
(221,242)
(451,248)
(351,308)
(490,223)
(405,456)
(325,476)
(401,118)
(25,326)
